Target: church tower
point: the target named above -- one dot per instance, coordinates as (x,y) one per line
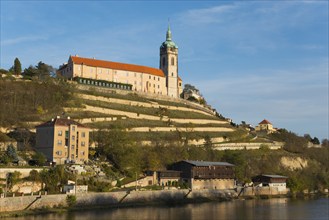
(169,64)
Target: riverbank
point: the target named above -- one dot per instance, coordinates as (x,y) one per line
(125,199)
(60,202)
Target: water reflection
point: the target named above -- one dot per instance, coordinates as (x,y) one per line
(272,209)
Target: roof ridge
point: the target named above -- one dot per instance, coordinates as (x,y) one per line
(117,65)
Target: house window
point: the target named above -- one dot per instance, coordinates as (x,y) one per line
(83,143)
(82,153)
(72,146)
(73,128)
(149,77)
(83,134)
(60,133)
(172,74)
(180,84)
(73,137)
(158,78)
(154,77)
(59,153)
(59,142)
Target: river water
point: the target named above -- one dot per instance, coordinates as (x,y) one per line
(275,209)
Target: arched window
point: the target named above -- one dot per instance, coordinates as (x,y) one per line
(163,61)
(172,61)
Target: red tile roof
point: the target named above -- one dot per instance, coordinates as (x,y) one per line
(265,122)
(117,66)
(60,122)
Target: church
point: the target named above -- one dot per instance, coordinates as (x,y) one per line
(162,81)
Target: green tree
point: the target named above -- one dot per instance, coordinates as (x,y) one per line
(54,178)
(3,71)
(41,71)
(13,178)
(17,68)
(325,143)
(34,176)
(71,200)
(208,148)
(39,158)
(11,152)
(315,140)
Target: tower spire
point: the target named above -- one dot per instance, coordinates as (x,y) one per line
(168,35)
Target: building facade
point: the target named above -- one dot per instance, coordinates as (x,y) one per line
(272,181)
(63,140)
(206,175)
(265,126)
(163,81)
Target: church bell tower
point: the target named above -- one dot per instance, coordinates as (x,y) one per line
(169,64)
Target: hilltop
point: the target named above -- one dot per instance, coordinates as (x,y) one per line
(147,118)
(169,129)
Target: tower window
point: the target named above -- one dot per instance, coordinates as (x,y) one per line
(163,62)
(172,61)
(172,74)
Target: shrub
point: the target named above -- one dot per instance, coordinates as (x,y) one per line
(71,200)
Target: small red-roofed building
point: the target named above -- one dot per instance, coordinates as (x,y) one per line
(63,140)
(266,126)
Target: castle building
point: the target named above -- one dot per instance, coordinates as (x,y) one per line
(162,81)
(266,126)
(63,140)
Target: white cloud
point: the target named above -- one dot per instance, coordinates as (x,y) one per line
(206,15)
(24,39)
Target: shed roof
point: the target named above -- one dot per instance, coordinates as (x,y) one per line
(207,163)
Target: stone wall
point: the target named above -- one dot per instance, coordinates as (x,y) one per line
(259,191)
(112,198)
(248,146)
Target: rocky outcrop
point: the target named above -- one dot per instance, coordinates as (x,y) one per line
(293,163)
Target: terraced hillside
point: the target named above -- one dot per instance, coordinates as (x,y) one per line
(147,119)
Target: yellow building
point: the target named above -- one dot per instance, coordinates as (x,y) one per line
(163,81)
(63,140)
(266,126)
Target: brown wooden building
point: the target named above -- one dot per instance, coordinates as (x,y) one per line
(206,174)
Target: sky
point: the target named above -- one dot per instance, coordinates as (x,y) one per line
(251,60)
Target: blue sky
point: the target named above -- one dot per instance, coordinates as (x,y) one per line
(250,59)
